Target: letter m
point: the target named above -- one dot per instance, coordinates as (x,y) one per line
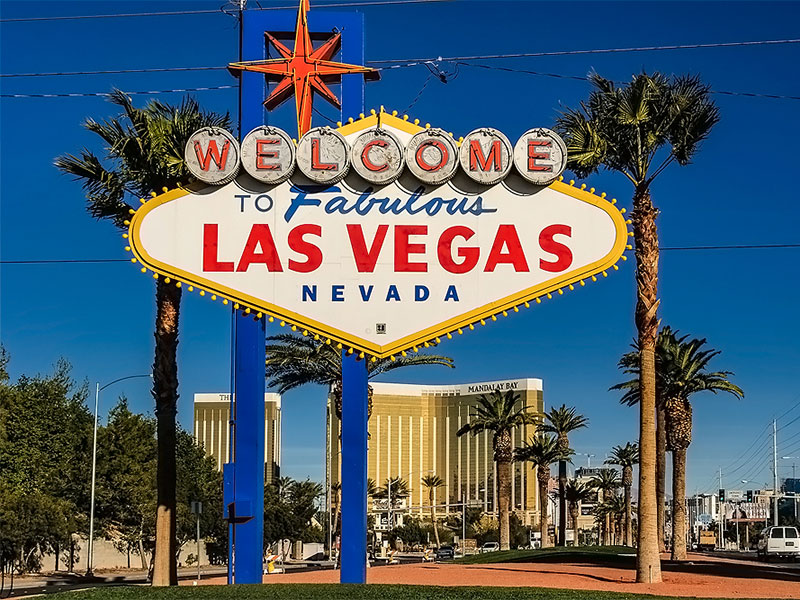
(477,159)
(212,153)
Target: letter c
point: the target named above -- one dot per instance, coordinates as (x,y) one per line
(365,156)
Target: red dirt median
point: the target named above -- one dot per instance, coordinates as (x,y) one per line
(701,576)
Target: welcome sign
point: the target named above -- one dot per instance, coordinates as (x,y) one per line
(379,235)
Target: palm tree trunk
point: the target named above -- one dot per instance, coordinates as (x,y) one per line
(648,563)
(433,520)
(679,504)
(628,519)
(661,474)
(504,500)
(562,503)
(573,513)
(165,392)
(543,504)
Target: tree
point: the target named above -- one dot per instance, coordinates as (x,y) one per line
(500,414)
(577,492)
(432,482)
(294,360)
(607,481)
(126,480)
(562,421)
(639,130)
(626,457)
(144,154)
(541,451)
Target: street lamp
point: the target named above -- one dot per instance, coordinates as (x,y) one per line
(98,389)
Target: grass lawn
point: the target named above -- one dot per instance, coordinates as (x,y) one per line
(612,554)
(345,592)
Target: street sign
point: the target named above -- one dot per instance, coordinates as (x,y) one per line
(735,495)
(704,519)
(381,269)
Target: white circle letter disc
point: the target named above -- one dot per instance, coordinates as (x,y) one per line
(540,155)
(323,155)
(377,156)
(212,155)
(268,154)
(486,155)
(432,156)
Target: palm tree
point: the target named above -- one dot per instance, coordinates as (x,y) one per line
(500,414)
(562,421)
(432,482)
(607,481)
(394,489)
(541,451)
(629,364)
(639,130)
(626,457)
(577,492)
(144,154)
(294,360)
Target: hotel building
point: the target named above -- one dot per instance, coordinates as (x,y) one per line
(212,429)
(413,434)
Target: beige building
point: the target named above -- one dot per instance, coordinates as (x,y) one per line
(413,434)
(212,430)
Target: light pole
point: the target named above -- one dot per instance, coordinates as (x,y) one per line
(589,458)
(98,389)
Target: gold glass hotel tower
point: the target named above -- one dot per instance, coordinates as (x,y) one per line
(413,434)
(211,418)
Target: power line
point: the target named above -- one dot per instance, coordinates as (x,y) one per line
(102,94)
(113,71)
(592,51)
(580,78)
(207,12)
(99,260)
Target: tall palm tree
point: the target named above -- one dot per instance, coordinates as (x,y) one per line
(541,451)
(501,414)
(577,492)
(607,481)
(431,482)
(639,130)
(626,457)
(562,421)
(294,360)
(629,364)
(143,154)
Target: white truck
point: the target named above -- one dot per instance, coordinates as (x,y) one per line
(779,542)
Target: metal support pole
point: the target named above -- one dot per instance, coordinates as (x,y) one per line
(198,546)
(721,511)
(90,558)
(354,469)
(463,528)
(775,469)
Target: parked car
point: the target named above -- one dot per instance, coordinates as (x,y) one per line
(779,542)
(490,547)
(445,553)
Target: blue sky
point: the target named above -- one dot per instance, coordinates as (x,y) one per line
(740,190)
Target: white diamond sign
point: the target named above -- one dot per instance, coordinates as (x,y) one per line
(379,268)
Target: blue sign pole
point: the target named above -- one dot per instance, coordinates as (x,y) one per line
(244,475)
(354,469)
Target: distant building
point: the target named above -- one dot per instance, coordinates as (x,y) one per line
(212,430)
(586,519)
(413,434)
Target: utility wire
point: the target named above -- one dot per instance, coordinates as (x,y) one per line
(208,12)
(103,94)
(98,260)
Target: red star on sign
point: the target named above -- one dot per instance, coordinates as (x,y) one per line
(303,70)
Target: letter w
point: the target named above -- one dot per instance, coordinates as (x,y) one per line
(366,258)
(212,154)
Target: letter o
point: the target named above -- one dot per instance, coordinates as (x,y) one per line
(432,156)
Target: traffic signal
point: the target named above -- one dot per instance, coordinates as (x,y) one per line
(749,495)
(721,495)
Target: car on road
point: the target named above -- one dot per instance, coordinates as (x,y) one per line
(779,542)
(445,553)
(490,547)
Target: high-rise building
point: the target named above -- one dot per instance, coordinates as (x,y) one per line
(413,434)
(212,429)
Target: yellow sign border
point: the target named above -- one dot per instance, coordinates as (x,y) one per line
(422,338)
